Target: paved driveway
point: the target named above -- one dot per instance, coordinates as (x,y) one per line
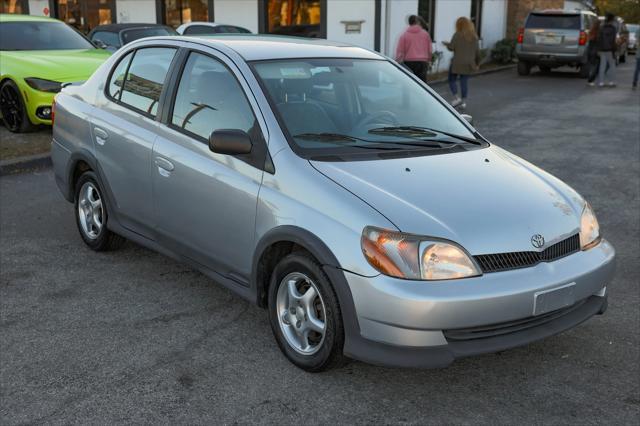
(133,336)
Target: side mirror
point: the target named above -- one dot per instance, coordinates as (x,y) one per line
(468,118)
(100,44)
(230,142)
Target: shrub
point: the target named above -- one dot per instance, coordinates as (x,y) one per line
(504,52)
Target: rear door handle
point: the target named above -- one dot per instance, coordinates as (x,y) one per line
(101,135)
(165,167)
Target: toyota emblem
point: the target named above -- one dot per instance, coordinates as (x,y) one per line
(537,241)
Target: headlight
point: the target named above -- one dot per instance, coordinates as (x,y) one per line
(589,228)
(414,257)
(44,85)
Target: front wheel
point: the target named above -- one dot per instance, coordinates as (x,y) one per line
(13,108)
(305,315)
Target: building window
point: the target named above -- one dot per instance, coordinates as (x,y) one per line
(14,6)
(305,18)
(427,11)
(476,15)
(178,12)
(85,15)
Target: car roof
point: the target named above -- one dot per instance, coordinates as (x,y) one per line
(119,27)
(264,47)
(10,17)
(209,24)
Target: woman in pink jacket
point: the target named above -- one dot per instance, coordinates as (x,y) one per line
(414,48)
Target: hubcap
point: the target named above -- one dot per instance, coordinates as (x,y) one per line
(301,313)
(90,210)
(11,107)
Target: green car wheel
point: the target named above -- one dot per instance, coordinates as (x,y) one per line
(14,113)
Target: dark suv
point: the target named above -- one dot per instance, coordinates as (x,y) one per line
(553,38)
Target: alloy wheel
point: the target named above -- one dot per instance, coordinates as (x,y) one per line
(301,313)
(90,210)
(11,107)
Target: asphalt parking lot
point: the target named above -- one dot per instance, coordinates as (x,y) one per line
(134,337)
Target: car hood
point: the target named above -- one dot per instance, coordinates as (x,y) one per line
(57,65)
(487,200)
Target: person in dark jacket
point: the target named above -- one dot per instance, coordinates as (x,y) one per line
(592,52)
(606,50)
(466,55)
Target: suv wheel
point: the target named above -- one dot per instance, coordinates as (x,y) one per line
(585,70)
(623,58)
(91,215)
(524,68)
(305,315)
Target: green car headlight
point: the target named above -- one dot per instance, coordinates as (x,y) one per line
(44,85)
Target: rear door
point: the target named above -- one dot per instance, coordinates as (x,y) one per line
(124,129)
(552,33)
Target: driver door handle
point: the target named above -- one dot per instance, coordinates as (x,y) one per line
(101,135)
(165,167)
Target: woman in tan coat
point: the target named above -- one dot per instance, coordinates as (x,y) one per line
(466,55)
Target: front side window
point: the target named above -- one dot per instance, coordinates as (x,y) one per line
(210,98)
(39,35)
(337,105)
(145,79)
(107,37)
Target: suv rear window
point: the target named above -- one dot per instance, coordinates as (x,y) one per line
(558,22)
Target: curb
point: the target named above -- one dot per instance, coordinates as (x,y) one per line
(23,164)
(476,74)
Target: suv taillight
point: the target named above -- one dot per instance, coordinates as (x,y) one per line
(520,35)
(583,38)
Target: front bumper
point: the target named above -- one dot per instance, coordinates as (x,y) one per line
(429,324)
(36,100)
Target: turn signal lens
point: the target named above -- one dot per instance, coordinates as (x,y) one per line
(413,257)
(589,228)
(583,38)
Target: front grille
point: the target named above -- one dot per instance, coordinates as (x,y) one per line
(500,329)
(524,259)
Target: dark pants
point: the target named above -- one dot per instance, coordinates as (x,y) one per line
(594,61)
(453,83)
(637,71)
(419,68)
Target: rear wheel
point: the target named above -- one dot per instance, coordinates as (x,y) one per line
(585,70)
(524,68)
(623,58)
(305,314)
(91,215)
(14,111)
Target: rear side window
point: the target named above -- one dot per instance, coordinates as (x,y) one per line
(108,38)
(210,98)
(556,22)
(145,78)
(117,77)
(199,29)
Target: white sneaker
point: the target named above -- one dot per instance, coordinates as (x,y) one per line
(456,101)
(592,84)
(600,84)
(462,105)
(612,84)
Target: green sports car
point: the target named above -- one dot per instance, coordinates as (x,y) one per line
(37,55)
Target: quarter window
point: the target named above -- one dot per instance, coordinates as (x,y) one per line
(117,77)
(210,98)
(145,79)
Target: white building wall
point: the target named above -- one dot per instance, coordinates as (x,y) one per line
(396,15)
(351,10)
(243,13)
(38,7)
(494,22)
(136,11)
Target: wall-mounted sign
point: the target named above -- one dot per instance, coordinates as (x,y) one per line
(352,27)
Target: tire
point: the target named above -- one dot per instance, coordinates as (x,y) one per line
(14,111)
(91,215)
(524,68)
(623,58)
(585,70)
(292,315)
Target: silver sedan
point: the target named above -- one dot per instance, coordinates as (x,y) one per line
(325,183)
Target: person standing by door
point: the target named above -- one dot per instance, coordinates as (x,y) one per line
(606,51)
(414,48)
(466,56)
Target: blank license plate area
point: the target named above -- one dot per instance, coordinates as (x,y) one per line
(548,39)
(554,299)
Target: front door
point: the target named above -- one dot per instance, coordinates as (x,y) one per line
(124,130)
(205,203)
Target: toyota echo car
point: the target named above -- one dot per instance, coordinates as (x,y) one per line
(328,185)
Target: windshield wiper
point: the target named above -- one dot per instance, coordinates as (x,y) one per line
(425,131)
(338,138)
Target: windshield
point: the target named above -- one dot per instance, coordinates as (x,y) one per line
(136,33)
(40,36)
(331,106)
(557,22)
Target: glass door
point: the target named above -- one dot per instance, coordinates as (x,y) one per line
(85,15)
